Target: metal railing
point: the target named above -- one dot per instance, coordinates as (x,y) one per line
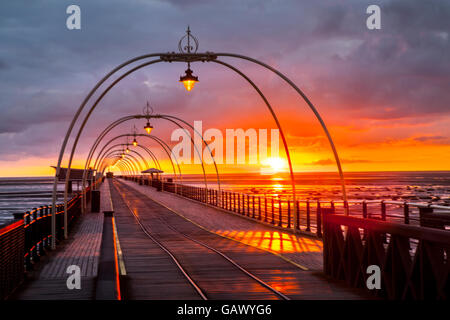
(279,210)
(25,241)
(413,260)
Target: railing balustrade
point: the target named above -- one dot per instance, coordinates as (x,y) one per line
(25,241)
(278,210)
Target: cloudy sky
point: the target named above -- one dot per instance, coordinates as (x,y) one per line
(384,94)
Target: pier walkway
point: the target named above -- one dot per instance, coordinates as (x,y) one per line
(174,248)
(222,268)
(304,250)
(82,249)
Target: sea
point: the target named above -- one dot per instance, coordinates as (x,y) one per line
(17,195)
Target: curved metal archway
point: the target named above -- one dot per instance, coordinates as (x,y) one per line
(132,152)
(119,161)
(132,166)
(126,118)
(161,142)
(138,165)
(169,118)
(186,57)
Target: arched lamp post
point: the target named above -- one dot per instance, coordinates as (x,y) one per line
(189,56)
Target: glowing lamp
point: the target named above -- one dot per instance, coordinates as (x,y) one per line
(189,80)
(123,155)
(135,143)
(148,127)
(127,150)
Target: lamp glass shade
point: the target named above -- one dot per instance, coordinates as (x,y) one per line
(135,143)
(188,80)
(189,84)
(148,128)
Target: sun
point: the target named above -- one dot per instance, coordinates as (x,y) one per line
(275,164)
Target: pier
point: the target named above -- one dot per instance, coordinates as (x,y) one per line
(147,243)
(136,232)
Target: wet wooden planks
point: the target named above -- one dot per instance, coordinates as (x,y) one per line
(151,274)
(82,249)
(56,289)
(217,277)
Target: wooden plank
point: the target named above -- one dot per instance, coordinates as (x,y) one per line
(217,277)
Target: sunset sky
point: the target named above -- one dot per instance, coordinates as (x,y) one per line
(384,94)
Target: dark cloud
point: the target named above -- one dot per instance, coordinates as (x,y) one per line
(402,70)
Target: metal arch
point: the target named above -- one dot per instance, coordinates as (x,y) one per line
(121,167)
(133,151)
(128,158)
(283,138)
(127,164)
(122,164)
(99,167)
(160,142)
(137,163)
(75,143)
(101,136)
(163,145)
(80,130)
(199,153)
(311,106)
(122,145)
(69,131)
(152,155)
(126,167)
(121,120)
(165,117)
(169,57)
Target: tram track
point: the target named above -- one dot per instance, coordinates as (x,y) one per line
(153,236)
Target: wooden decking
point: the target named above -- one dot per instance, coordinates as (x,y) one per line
(152,275)
(48,281)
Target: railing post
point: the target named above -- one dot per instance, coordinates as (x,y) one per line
(289,213)
(248,206)
(28,240)
(35,228)
(239,203)
(259,208)
(308,216)
(280,213)
(41,231)
(406,212)
(364,213)
(383,210)
(273,210)
(319,220)
(298,214)
(253,207)
(265,208)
